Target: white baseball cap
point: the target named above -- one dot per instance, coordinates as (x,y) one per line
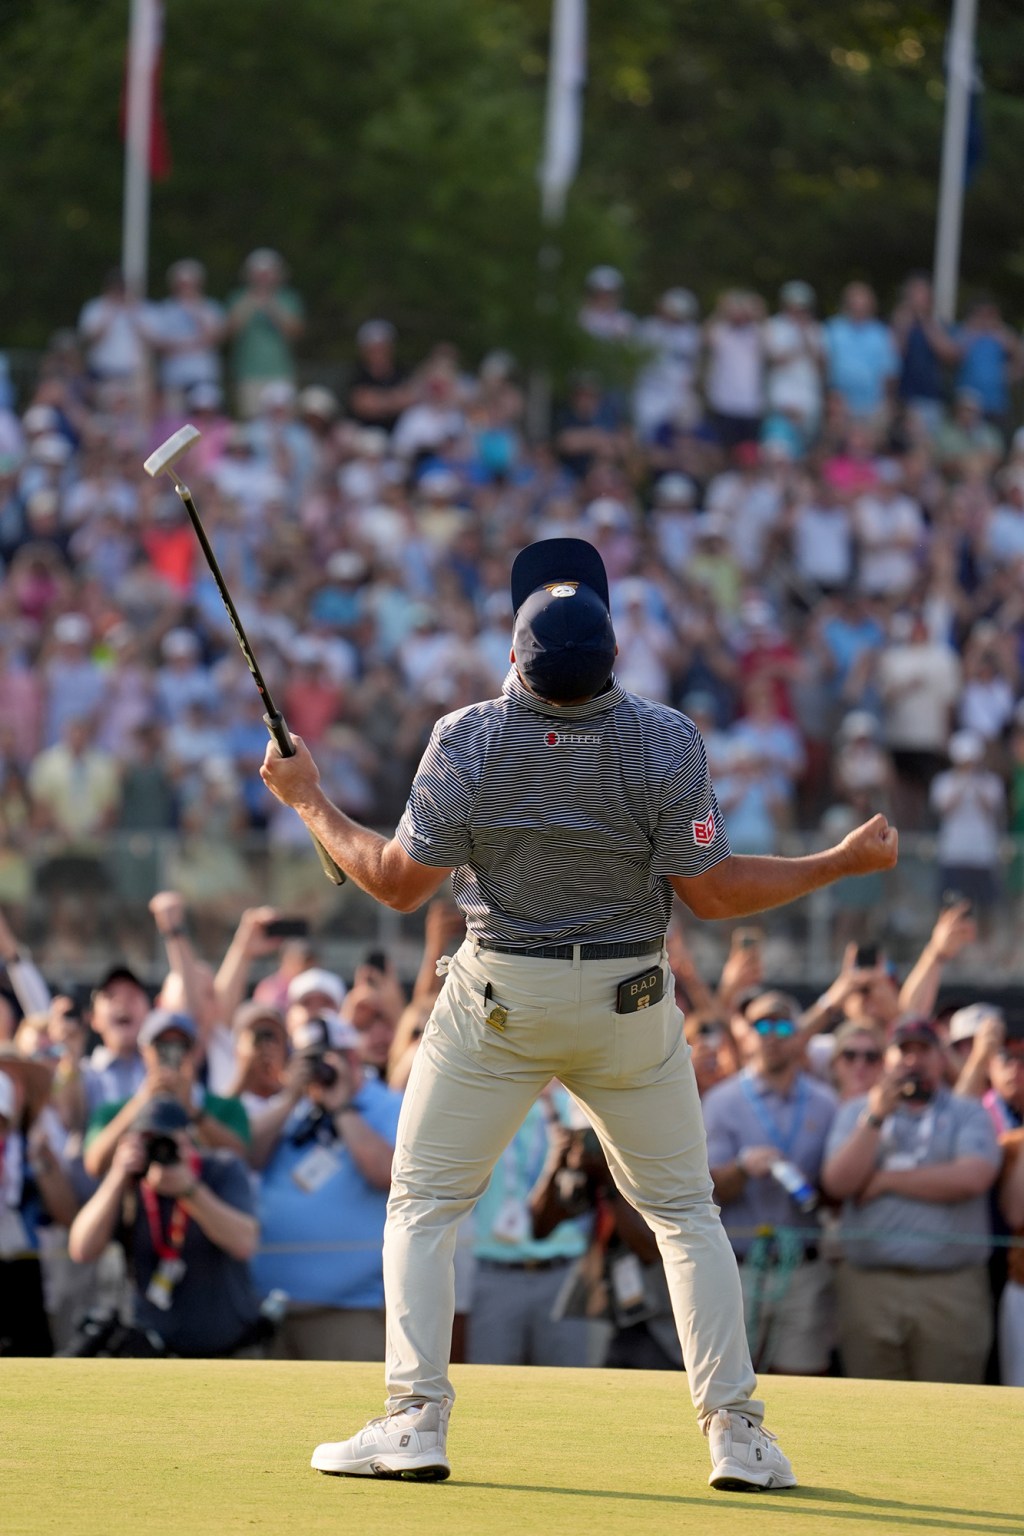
(965,1022)
(325,1031)
(966,747)
(316,979)
(675,490)
(605,279)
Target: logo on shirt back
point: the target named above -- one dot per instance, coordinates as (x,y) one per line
(704,831)
(572,738)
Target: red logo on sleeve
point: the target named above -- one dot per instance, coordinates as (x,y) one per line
(704,831)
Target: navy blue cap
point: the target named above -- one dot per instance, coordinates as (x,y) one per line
(161,1021)
(914,1028)
(162,1114)
(551,561)
(563,639)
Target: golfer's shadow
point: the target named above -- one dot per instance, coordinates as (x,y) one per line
(799,1503)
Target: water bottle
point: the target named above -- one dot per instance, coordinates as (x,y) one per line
(796,1185)
(275,1306)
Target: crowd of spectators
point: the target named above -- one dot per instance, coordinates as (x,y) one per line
(814,531)
(205,1171)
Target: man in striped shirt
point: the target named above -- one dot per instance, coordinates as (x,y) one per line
(568,813)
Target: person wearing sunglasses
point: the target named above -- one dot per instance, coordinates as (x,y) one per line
(913,1164)
(766,1128)
(858,1050)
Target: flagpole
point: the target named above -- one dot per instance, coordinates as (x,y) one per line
(138,128)
(949,225)
(563,122)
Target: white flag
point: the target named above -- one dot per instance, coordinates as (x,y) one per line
(567,69)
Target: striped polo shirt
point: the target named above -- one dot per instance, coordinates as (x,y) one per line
(563,822)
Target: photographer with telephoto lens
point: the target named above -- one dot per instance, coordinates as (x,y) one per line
(913,1164)
(186,1220)
(323,1197)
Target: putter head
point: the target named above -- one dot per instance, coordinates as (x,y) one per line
(168,453)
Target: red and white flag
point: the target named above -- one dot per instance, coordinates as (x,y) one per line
(144,73)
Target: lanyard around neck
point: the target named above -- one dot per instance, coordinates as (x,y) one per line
(168,1247)
(787,1142)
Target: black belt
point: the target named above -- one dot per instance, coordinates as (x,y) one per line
(587,951)
(524,1264)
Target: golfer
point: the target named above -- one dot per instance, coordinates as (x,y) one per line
(568,812)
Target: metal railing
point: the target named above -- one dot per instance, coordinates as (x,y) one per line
(78,906)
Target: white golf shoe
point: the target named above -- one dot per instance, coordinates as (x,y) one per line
(409,1444)
(744,1457)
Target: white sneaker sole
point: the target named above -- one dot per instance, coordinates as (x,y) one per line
(428,1467)
(733,1477)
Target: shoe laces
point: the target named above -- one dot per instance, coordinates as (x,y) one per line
(759,1429)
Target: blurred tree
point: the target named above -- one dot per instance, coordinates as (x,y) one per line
(390,152)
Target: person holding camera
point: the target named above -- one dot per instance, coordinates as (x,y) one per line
(323,1197)
(185,1217)
(913,1164)
(969,801)
(168,1044)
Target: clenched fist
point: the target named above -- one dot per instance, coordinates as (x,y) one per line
(874,845)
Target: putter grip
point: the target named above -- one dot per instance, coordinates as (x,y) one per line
(283,737)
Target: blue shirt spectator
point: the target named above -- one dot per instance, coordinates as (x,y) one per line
(862,356)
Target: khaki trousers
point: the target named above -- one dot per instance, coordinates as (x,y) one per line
(915,1325)
(471,1086)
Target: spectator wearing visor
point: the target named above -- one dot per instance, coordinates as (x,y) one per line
(185,1218)
(913,1164)
(767,1128)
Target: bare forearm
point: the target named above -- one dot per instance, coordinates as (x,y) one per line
(266,1132)
(94,1225)
(919,992)
(848,1171)
(56,1190)
(545,1206)
(181,959)
(729,1182)
(943,1183)
(232,976)
(1011,1195)
(973,1081)
(364,855)
(234,1231)
(101,1149)
(749,883)
(371,1153)
(216,1134)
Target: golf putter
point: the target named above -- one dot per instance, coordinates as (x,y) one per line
(162,460)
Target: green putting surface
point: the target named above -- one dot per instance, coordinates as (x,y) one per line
(177,1447)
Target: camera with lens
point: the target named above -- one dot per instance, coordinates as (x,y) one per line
(914,1089)
(160,1149)
(320,1070)
(313,1040)
(170,1053)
